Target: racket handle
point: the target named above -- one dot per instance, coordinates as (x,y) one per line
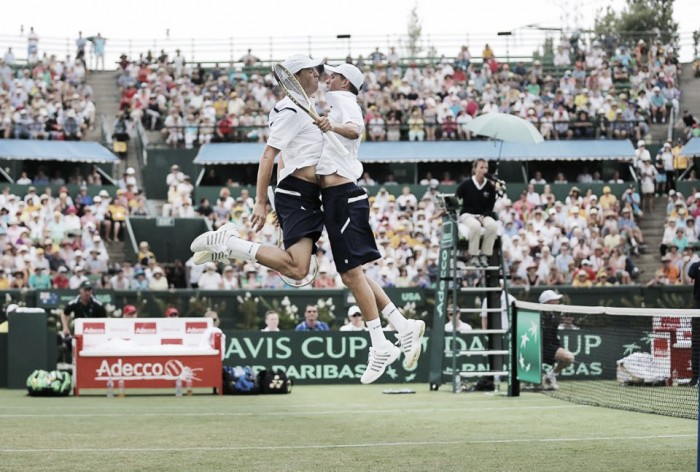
(335,142)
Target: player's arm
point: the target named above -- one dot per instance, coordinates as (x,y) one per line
(347,130)
(65,320)
(267,164)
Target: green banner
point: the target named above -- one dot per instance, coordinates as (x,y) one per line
(529,347)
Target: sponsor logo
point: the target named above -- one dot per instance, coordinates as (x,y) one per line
(93,328)
(193,327)
(145,327)
(121,369)
(177,341)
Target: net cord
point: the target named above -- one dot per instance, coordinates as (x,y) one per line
(602,310)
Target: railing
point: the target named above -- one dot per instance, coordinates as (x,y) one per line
(521,42)
(595,129)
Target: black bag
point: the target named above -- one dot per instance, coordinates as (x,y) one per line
(274,381)
(240,381)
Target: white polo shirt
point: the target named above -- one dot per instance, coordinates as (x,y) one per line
(295,134)
(344,109)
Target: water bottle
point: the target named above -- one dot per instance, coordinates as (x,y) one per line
(497,384)
(120,388)
(178,387)
(110,388)
(674,378)
(188,385)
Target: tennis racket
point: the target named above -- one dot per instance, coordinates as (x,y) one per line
(296,93)
(313,264)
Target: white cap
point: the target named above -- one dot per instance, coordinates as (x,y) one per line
(354,310)
(130,170)
(549,295)
(641,143)
(298,62)
(350,72)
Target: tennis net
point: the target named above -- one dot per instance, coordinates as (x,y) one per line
(627,358)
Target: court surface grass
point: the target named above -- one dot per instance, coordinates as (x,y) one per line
(335,428)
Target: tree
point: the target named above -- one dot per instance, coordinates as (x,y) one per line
(414,33)
(639,19)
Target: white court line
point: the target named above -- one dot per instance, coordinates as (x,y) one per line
(294,413)
(253,406)
(349,446)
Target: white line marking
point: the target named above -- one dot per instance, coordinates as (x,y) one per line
(349,446)
(428,411)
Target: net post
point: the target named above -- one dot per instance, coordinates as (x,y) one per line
(514,383)
(442,293)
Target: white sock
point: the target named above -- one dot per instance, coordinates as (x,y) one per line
(395,317)
(246,250)
(376,333)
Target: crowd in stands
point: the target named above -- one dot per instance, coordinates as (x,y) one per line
(58,241)
(592,90)
(45,99)
(679,239)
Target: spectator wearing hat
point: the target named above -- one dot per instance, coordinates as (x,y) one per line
(680,239)
(129,311)
(78,277)
(230,278)
(140,281)
(354,321)
(657,104)
(172,312)
(85,305)
(158,280)
(631,199)
(640,154)
(94,264)
(145,253)
(648,177)
(210,279)
(608,200)
(553,353)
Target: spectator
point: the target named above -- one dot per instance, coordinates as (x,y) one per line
(210,279)
(129,311)
(311,322)
(85,305)
(158,280)
(172,312)
(354,321)
(454,319)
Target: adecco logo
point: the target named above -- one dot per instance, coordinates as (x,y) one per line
(172,369)
(93,328)
(145,327)
(195,327)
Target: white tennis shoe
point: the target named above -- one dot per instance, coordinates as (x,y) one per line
(411,342)
(211,246)
(380,358)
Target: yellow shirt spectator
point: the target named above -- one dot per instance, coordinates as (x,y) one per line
(607,201)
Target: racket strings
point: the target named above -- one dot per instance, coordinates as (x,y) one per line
(291,85)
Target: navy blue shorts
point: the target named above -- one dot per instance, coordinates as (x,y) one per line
(346,210)
(298,210)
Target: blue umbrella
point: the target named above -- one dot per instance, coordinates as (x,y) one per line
(505,127)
